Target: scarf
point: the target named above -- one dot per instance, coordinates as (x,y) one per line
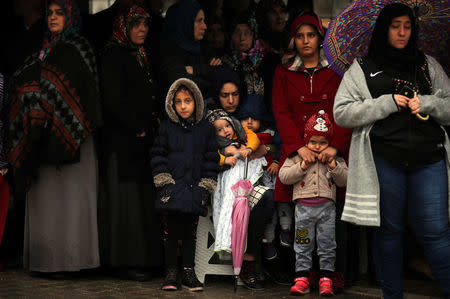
(292,59)
(399,64)
(72,25)
(122,26)
(179,25)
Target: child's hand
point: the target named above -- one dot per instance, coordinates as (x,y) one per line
(230,161)
(245,152)
(273,169)
(332,164)
(231,150)
(304,165)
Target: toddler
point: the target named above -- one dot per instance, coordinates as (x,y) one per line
(314,193)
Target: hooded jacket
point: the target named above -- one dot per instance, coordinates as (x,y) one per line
(296,96)
(184,157)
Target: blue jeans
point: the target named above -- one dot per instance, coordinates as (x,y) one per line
(416,195)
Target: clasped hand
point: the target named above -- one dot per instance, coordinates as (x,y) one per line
(309,157)
(404,102)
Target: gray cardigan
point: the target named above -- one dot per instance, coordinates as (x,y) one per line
(355,108)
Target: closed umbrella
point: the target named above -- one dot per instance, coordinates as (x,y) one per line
(239,220)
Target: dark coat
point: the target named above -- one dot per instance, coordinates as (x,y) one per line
(185,158)
(173,64)
(130,107)
(296,97)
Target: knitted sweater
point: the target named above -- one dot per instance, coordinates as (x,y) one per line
(355,108)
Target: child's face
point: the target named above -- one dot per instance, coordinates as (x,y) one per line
(184,104)
(252,124)
(317,143)
(224,128)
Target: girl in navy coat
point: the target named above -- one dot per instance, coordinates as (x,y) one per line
(184,163)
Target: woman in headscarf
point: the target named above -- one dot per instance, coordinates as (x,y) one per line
(129,232)
(397,100)
(247,53)
(303,85)
(54,109)
(181,55)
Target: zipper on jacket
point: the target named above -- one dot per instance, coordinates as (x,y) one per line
(310,79)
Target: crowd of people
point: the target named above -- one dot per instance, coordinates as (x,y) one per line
(117,137)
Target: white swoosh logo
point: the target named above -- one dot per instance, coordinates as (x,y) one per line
(373,75)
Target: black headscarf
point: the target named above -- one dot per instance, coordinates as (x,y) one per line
(399,64)
(179,25)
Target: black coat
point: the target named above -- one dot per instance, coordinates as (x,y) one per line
(130,107)
(173,66)
(188,155)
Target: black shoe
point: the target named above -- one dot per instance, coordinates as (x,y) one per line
(171,280)
(249,276)
(286,238)
(273,270)
(191,281)
(270,252)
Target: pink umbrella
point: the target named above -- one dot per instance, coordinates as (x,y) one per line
(239,220)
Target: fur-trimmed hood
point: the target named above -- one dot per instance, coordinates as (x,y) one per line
(198,98)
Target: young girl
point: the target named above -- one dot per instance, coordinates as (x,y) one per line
(315,192)
(184,167)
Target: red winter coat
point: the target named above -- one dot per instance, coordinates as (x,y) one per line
(296,97)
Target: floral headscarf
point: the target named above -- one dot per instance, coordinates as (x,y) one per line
(256,53)
(72,25)
(122,26)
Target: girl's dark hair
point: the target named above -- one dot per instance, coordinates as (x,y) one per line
(183,88)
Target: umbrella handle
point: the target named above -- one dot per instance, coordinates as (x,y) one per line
(420,116)
(246,168)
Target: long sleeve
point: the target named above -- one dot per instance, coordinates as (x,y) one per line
(339,174)
(209,165)
(159,153)
(291,171)
(352,106)
(437,105)
(252,139)
(286,124)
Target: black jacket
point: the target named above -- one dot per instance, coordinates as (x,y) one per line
(185,159)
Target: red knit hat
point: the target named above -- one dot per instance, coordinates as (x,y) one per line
(319,124)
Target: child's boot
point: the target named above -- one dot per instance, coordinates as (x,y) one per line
(191,281)
(171,280)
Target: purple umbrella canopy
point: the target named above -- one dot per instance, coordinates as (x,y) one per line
(349,34)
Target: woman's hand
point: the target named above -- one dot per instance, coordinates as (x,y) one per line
(4,171)
(261,151)
(401,101)
(414,105)
(215,62)
(307,155)
(141,134)
(327,154)
(189,69)
(273,169)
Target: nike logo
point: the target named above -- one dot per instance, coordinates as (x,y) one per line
(373,75)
